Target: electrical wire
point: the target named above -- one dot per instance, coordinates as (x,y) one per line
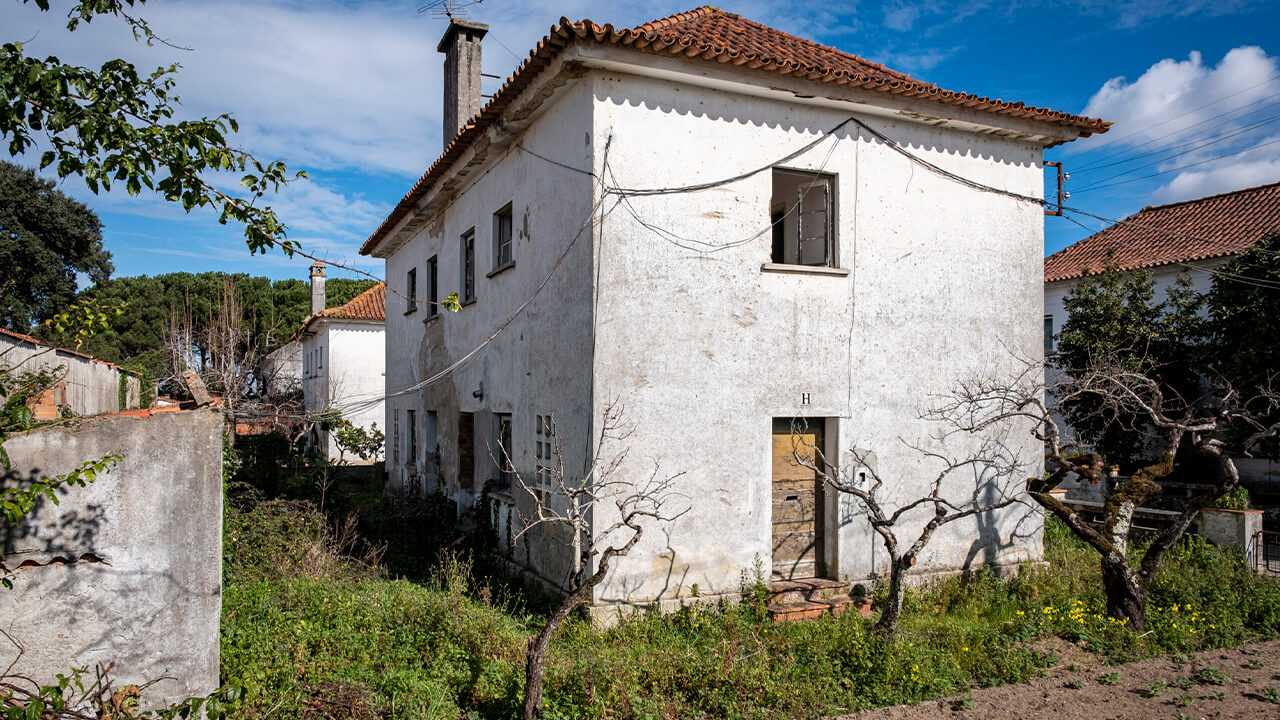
(1202,143)
(708,248)
(1180,168)
(372,401)
(1215,272)
(638,192)
(1139,131)
(1269,105)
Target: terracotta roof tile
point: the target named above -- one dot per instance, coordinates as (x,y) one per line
(368,305)
(1211,227)
(713,35)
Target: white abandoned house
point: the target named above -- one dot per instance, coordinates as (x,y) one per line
(715,227)
(1194,236)
(343,351)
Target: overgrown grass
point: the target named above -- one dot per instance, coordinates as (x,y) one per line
(450,646)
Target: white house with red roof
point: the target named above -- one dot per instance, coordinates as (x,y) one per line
(718,228)
(343,360)
(1194,237)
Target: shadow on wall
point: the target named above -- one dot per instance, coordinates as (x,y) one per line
(61,539)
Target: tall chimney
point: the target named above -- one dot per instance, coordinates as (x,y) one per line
(317,287)
(461,48)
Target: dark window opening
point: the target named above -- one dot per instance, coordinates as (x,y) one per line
(469,265)
(433,287)
(466,450)
(412,421)
(779,234)
(502,451)
(411,290)
(502,250)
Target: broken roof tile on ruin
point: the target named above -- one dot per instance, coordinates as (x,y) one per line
(713,35)
(1182,232)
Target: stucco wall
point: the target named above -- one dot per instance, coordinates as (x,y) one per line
(153,603)
(93,387)
(704,349)
(283,369)
(540,361)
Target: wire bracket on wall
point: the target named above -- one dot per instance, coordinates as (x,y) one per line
(1062,178)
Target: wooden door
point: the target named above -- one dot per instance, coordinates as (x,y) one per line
(795,502)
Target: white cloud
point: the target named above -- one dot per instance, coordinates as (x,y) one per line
(1173,97)
(1191,124)
(1132,13)
(321,84)
(1258,166)
(900,17)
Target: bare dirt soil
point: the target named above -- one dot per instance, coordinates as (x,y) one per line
(1213,684)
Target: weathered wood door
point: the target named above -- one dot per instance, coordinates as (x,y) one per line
(796,497)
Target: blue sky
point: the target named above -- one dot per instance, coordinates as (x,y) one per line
(350,92)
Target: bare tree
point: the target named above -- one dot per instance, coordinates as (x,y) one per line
(572,503)
(990,469)
(1187,430)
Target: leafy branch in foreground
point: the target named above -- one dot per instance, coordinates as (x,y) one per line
(116,125)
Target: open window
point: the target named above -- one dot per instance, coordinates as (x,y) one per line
(411,424)
(801,211)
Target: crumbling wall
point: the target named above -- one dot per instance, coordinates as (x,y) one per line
(129,569)
(90,387)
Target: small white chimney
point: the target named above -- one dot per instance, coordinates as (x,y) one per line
(461,48)
(317,287)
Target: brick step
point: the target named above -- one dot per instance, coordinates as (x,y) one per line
(798,610)
(807,589)
(809,610)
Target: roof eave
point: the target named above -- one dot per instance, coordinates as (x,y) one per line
(849,97)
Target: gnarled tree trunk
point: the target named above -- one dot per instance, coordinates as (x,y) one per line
(1126,593)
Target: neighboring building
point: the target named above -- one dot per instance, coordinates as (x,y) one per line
(88,386)
(282,370)
(780,260)
(1193,236)
(342,358)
